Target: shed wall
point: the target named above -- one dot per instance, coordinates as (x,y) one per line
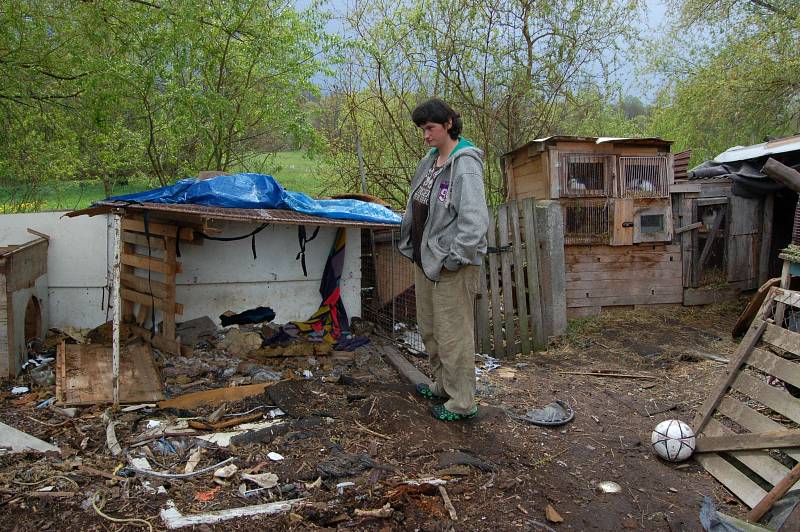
(217,276)
(600,276)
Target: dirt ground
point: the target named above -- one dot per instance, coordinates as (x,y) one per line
(362,424)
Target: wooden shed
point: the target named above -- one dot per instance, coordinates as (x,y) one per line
(23,301)
(617,212)
(731,238)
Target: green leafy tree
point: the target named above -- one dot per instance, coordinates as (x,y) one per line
(733,74)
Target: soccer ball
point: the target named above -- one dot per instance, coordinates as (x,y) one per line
(673,440)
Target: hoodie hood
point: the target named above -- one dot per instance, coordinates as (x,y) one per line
(464,148)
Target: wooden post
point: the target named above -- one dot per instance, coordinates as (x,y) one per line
(783,174)
(117,311)
(764,258)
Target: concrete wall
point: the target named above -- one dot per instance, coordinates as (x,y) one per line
(217,276)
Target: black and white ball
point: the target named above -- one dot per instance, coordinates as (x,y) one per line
(673,440)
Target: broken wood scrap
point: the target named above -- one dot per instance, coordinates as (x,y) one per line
(747,315)
(379,513)
(204,425)
(215,396)
(448,503)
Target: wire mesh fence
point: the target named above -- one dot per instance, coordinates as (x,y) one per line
(387,289)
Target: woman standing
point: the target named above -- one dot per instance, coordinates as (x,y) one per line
(444,233)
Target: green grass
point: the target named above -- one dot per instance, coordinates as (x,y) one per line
(292,169)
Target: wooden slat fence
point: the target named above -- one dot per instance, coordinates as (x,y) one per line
(509,307)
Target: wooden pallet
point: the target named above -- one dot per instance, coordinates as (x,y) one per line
(745,424)
(147,279)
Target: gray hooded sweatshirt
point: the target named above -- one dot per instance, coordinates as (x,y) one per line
(458,218)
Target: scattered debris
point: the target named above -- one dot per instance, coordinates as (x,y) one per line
(111,439)
(226,472)
(462,458)
(552,515)
(608,486)
(275,457)
(264,480)
(17,390)
(239,343)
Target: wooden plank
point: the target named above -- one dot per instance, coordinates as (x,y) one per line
(787,297)
(778,491)
(780,306)
(705,202)
(504,241)
(758,461)
(764,255)
(740,356)
(144,285)
(690,227)
(159,342)
(621,290)
(519,278)
(117,310)
(618,286)
(146,263)
(658,299)
(136,224)
(778,400)
(670,271)
(707,296)
(149,301)
(482,314)
(552,161)
(737,482)
(658,248)
(622,233)
(138,239)
(171,307)
(782,339)
(751,420)
(685,217)
(215,396)
(532,259)
(404,367)
(695,237)
(86,378)
(633,256)
(746,317)
(655,267)
(772,364)
(494,282)
(684,187)
(741,442)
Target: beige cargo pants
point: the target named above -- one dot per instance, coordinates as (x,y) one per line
(445,316)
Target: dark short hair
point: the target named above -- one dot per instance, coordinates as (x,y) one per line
(436,110)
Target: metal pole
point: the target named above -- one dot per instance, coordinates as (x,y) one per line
(117,310)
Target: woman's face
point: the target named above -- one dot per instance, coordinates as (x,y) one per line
(435,134)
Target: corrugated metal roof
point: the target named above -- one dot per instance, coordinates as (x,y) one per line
(275,216)
(597,140)
(743,153)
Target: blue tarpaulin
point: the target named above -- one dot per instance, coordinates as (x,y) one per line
(259,191)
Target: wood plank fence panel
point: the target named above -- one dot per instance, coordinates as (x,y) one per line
(504,243)
(494,287)
(532,262)
(521,307)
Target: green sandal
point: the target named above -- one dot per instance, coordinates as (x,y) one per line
(425,391)
(443,414)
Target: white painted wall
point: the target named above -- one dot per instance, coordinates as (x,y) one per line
(217,276)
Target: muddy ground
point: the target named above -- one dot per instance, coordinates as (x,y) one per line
(363,424)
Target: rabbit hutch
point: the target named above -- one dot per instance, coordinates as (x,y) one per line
(618,220)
